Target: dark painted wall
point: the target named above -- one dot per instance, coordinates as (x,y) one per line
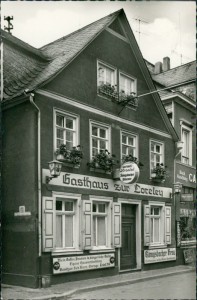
(82,75)
(19,187)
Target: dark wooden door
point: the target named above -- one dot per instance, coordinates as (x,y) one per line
(128,250)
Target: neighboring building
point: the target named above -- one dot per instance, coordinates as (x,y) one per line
(85,223)
(180,105)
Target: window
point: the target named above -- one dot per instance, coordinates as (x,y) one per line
(157,224)
(65,223)
(187,145)
(99,139)
(102,223)
(127,84)
(156,153)
(129,144)
(61,223)
(106,75)
(66,128)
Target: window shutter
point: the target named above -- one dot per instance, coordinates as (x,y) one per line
(168,225)
(146,225)
(117,225)
(87,224)
(48,225)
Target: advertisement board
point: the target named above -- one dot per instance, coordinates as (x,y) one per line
(159,255)
(83,263)
(185,175)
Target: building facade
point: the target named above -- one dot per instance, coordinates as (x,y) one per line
(179,99)
(80,90)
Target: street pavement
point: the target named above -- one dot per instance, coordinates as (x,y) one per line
(181,286)
(69,289)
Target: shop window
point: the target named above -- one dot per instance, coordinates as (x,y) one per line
(188,228)
(156,154)
(187,145)
(129,144)
(61,223)
(127,85)
(66,130)
(102,225)
(100,138)
(157,224)
(106,75)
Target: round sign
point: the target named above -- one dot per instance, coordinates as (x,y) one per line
(129,172)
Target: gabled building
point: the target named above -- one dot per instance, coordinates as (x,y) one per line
(179,99)
(86,222)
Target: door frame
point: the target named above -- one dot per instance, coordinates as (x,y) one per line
(138,230)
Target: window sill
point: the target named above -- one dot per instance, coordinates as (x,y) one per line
(188,243)
(98,170)
(104,250)
(66,252)
(161,246)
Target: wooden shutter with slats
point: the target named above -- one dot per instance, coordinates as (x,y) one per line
(48,224)
(116,225)
(147,225)
(87,224)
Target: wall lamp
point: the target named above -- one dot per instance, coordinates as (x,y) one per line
(55,170)
(177,188)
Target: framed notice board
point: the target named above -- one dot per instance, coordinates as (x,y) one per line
(189,255)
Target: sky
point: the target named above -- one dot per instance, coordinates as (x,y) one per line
(167,28)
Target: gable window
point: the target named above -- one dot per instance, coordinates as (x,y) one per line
(157,224)
(187,145)
(156,153)
(127,85)
(99,138)
(129,144)
(66,130)
(106,74)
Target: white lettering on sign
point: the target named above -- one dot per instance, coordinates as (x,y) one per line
(108,185)
(185,174)
(83,263)
(159,255)
(192,178)
(129,172)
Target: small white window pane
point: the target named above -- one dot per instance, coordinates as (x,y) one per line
(94,207)
(131,141)
(152,156)
(58,230)
(102,133)
(69,123)
(124,139)
(95,143)
(69,136)
(94,151)
(124,150)
(68,231)
(58,205)
(59,142)
(158,148)
(101,231)
(158,158)
(131,151)
(94,131)
(152,147)
(69,145)
(101,208)
(60,133)
(156,230)
(102,145)
(69,206)
(94,231)
(156,211)
(60,120)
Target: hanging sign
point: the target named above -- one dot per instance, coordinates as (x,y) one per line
(129,172)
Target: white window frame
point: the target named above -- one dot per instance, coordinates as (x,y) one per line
(189,131)
(108,131)
(76,222)
(131,78)
(108,201)
(107,66)
(162,223)
(162,160)
(76,129)
(136,137)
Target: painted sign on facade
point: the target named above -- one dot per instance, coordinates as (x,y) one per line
(185,175)
(185,212)
(159,255)
(107,185)
(83,263)
(129,172)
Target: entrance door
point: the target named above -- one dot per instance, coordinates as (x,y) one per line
(128,250)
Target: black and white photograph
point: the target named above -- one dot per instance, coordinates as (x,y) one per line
(98,150)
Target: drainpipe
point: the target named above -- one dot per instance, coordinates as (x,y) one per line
(31,99)
(1,69)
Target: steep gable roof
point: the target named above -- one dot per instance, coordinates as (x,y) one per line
(56,55)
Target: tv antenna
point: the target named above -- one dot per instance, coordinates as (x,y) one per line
(10,26)
(139,27)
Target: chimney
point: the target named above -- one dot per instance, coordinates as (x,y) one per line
(158,67)
(166,64)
